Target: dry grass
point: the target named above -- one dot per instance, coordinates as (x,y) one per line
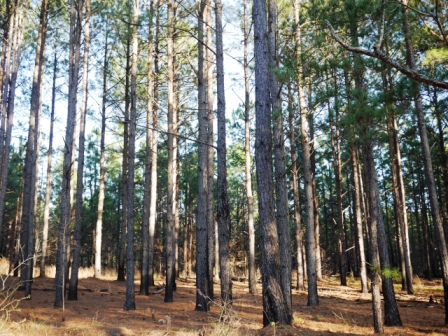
(99,311)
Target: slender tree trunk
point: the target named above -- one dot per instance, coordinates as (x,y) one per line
(248,168)
(397,178)
(295,187)
(280,160)
(130,291)
(172,162)
(13,45)
(337,166)
(68,163)
(101,188)
(427,161)
(275,306)
(31,159)
(358,219)
(391,313)
(154,140)
(201,221)
(223,199)
(443,157)
(313,299)
(73,287)
(125,168)
(144,282)
(375,274)
(49,167)
(210,152)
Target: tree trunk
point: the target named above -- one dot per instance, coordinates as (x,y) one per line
(154,141)
(125,169)
(68,162)
(427,161)
(144,282)
(13,44)
(313,299)
(275,307)
(358,219)
(391,313)
(337,166)
(49,166)
(201,221)
(101,188)
(280,160)
(31,159)
(375,211)
(172,162)
(248,167)
(210,152)
(73,287)
(130,291)
(295,187)
(223,199)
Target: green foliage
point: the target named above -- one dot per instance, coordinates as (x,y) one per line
(391,272)
(435,56)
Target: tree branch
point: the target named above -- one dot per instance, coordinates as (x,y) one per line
(379,55)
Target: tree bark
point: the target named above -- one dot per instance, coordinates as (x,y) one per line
(49,167)
(223,199)
(295,187)
(73,287)
(11,60)
(210,152)
(125,168)
(375,274)
(313,299)
(358,219)
(248,166)
(275,307)
(68,163)
(144,281)
(427,161)
(154,141)
(130,290)
(337,167)
(201,221)
(172,162)
(31,160)
(280,160)
(101,187)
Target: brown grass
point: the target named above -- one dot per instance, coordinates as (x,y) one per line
(99,311)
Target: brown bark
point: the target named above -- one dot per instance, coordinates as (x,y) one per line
(375,274)
(427,161)
(279,159)
(202,281)
(337,167)
(172,162)
(49,166)
(101,188)
(223,199)
(295,187)
(313,299)
(144,281)
(358,219)
(73,287)
(68,163)
(248,168)
(275,308)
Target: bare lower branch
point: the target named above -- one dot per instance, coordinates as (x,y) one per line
(379,55)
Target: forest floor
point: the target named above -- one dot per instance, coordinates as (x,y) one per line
(99,311)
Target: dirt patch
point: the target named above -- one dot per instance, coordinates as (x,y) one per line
(99,311)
